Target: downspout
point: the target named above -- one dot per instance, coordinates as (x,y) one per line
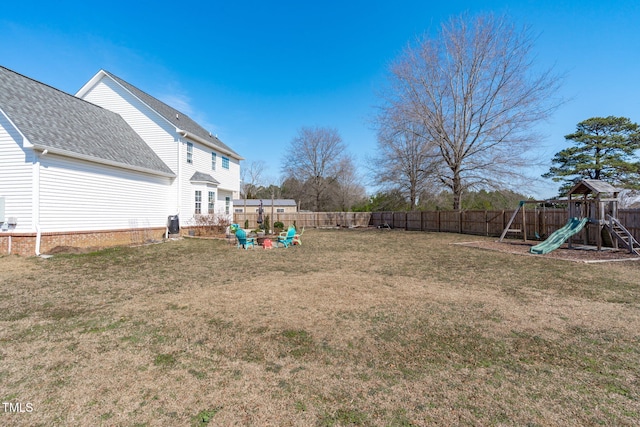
(179,177)
(36,202)
(38,237)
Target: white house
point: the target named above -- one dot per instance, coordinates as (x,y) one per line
(73,173)
(207,171)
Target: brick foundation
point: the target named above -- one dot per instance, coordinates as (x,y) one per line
(25,243)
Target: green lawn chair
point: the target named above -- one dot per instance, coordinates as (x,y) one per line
(286,239)
(296,238)
(241,236)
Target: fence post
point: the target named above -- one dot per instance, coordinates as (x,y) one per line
(486,222)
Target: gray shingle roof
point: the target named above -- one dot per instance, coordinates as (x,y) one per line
(55,120)
(175,117)
(203,177)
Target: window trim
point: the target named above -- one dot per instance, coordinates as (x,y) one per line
(212,202)
(198,202)
(189,152)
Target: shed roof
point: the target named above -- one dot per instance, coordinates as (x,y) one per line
(175,117)
(62,123)
(593,186)
(265,202)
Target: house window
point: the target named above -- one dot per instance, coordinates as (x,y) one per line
(212,201)
(213,161)
(238,210)
(189,152)
(198,202)
(227,203)
(225,162)
(280,210)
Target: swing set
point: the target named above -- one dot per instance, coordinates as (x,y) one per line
(539,223)
(594,202)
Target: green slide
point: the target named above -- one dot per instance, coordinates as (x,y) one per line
(558,237)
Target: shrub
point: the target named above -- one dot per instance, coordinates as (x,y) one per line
(210,224)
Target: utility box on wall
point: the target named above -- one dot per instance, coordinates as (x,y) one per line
(6,224)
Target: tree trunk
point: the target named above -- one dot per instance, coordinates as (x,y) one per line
(457,191)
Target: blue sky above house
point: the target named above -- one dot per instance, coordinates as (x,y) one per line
(255,72)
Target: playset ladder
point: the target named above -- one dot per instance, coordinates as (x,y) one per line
(623,235)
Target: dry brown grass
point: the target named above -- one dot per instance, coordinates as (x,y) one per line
(378,328)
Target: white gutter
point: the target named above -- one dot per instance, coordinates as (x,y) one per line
(201,140)
(67,153)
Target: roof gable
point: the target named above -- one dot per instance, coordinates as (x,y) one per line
(593,186)
(62,123)
(178,119)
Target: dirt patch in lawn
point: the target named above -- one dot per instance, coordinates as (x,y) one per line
(578,253)
(365,328)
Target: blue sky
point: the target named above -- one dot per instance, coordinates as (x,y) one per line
(254,72)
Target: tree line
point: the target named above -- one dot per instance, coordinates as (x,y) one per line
(456,129)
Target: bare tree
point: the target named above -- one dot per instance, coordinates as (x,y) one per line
(314,160)
(474,92)
(252,178)
(405,161)
(349,191)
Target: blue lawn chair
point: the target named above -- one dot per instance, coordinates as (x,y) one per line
(241,236)
(286,239)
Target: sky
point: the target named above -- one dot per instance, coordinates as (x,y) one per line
(255,72)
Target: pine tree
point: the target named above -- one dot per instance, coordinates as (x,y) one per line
(603,148)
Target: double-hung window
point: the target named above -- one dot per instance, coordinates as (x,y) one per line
(198,209)
(212,202)
(227,204)
(189,152)
(213,161)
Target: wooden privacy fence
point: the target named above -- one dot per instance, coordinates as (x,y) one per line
(539,222)
(307,219)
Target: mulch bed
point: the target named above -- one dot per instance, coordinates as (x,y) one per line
(579,253)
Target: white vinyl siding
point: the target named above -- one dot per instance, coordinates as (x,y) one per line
(163,138)
(159,134)
(16,182)
(77,195)
(154,130)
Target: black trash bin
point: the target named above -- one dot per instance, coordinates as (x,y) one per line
(174,224)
